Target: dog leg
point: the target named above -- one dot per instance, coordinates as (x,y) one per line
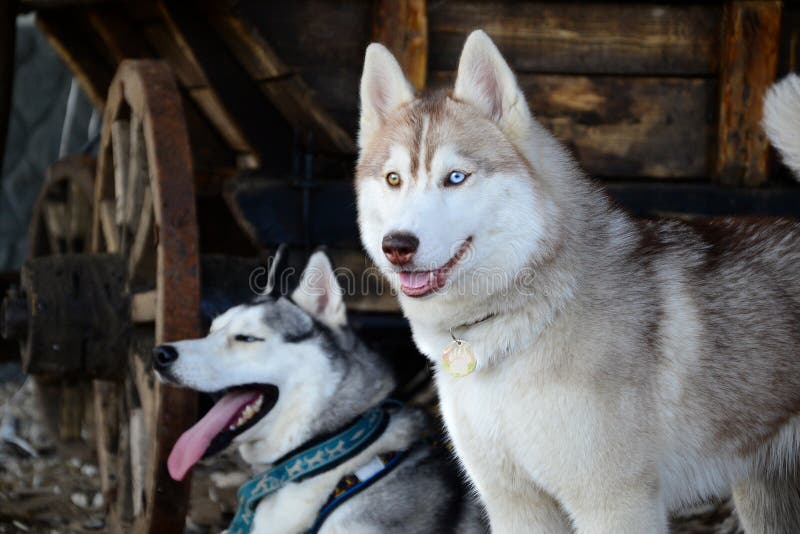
(529,511)
(768,503)
(627,511)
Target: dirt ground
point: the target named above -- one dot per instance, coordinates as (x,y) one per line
(48,487)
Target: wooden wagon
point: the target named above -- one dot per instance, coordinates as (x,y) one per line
(229,127)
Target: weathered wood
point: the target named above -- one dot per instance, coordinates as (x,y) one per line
(571,37)
(181,58)
(748,67)
(238,94)
(68,186)
(328,61)
(138,447)
(137,174)
(71,408)
(77,315)
(84,59)
(142,254)
(285,88)
(121,148)
(8,36)
(146,89)
(106,415)
(143,307)
(402,26)
(625,127)
(108,225)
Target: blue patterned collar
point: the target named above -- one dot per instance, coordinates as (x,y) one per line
(309,461)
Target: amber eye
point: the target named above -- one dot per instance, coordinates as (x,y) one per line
(393,179)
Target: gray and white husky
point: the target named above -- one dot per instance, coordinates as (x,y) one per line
(294,373)
(623,368)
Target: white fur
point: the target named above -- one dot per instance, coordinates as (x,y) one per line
(566,423)
(307,382)
(382,90)
(782,120)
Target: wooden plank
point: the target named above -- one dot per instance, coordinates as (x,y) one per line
(284,88)
(83,59)
(748,67)
(8,38)
(625,127)
(402,26)
(571,37)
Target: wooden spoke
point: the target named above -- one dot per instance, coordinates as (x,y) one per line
(143,307)
(120,144)
(137,174)
(142,259)
(108,225)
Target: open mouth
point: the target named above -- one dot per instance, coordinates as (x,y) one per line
(421,283)
(238,410)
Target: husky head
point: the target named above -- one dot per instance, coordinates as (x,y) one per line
(288,368)
(454,194)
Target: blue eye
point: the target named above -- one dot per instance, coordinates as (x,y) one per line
(456,178)
(247,339)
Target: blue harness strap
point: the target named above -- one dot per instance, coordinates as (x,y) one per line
(309,461)
(352,484)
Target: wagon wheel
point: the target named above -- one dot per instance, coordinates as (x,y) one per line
(62,224)
(145,211)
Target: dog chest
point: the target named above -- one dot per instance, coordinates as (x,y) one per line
(505,426)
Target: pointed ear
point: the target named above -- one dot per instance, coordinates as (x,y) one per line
(277,265)
(486,81)
(384,88)
(319,294)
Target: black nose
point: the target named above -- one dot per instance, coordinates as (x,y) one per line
(163,356)
(400,247)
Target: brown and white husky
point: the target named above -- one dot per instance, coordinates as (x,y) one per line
(623,368)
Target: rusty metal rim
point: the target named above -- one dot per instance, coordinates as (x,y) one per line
(146,89)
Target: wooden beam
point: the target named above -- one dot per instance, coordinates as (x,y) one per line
(402,26)
(283,87)
(86,63)
(751,36)
(8,36)
(176,51)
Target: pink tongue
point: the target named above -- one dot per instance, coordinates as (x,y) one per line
(191,446)
(415,280)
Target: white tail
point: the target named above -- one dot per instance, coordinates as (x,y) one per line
(782,120)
